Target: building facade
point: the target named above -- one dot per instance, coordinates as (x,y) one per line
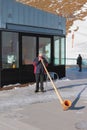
(24,32)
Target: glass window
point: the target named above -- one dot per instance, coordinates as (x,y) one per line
(45,47)
(28,49)
(56,50)
(62,51)
(10,51)
(59,50)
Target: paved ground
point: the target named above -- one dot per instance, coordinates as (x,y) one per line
(22,109)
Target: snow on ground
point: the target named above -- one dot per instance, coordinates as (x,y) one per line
(73,85)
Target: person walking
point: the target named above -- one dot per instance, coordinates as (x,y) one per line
(79,62)
(39,71)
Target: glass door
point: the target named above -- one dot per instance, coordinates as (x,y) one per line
(28,49)
(45,47)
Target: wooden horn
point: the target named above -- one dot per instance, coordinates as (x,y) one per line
(66,104)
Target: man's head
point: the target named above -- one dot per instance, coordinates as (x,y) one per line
(40,54)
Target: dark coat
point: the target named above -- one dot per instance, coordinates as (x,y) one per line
(38,67)
(79,60)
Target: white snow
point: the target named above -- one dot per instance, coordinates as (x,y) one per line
(73,85)
(80,40)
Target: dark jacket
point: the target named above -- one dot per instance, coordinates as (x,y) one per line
(38,67)
(79,60)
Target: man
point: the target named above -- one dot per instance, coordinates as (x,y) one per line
(39,71)
(79,62)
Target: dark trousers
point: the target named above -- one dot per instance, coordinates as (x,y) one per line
(39,79)
(80,67)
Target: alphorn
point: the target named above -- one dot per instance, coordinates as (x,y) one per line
(66,104)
